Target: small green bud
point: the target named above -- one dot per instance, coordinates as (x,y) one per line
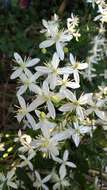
(44,50)
(9,149)
(66,50)
(5,155)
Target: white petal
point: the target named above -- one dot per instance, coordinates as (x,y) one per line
(62,171)
(65,156)
(38,175)
(66,107)
(42,69)
(84,99)
(84,129)
(21,101)
(70,164)
(56,186)
(80,113)
(65,70)
(45,87)
(76,139)
(51,109)
(31,120)
(72,60)
(55,60)
(21,90)
(16,73)
(101,114)
(73,85)
(60,51)
(82,66)
(47,178)
(18,58)
(57,159)
(32,62)
(53,81)
(39,101)
(46,43)
(45,187)
(76,76)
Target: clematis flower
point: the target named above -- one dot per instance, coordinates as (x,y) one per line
(45,96)
(23,65)
(24,110)
(40,183)
(76,66)
(60,181)
(53,71)
(95,107)
(65,83)
(44,121)
(78,132)
(57,37)
(75,104)
(9,180)
(28,81)
(26,161)
(64,162)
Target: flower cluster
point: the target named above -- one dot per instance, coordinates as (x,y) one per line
(56,110)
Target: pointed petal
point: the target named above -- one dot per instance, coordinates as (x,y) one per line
(76,76)
(21,90)
(70,164)
(76,139)
(18,58)
(66,107)
(65,156)
(16,73)
(31,120)
(72,60)
(32,62)
(47,178)
(62,171)
(82,66)
(60,51)
(42,69)
(51,109)
(21,101)
(46,43)
(55,60)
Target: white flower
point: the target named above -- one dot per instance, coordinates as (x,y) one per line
(57,37)
(8,180)
(95,107)
(40,183)
(79,131)
(24,110)
(22,65)
(44,121)
(66,83)
(64,162)
(72,23)
(77,66)
(23,138)
(53,71)
(48,142)
(103,15)
(60,181)
(75,104)
(26,161)
(45,95)
(28,81)
(50,25)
